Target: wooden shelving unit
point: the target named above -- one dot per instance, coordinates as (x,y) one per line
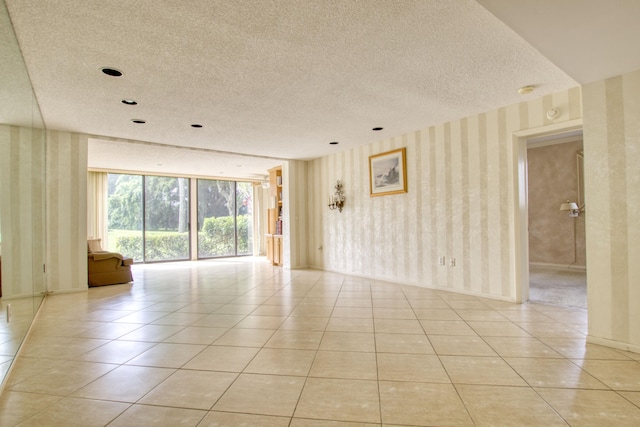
(274,232)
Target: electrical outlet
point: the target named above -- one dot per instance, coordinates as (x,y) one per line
(442,260)
(452,262)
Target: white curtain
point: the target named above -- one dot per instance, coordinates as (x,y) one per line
(260,197)
(97,191)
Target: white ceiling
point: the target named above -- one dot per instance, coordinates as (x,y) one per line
(282,78)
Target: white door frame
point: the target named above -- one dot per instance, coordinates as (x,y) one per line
(521,202)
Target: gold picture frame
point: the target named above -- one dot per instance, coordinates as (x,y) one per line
(388,173)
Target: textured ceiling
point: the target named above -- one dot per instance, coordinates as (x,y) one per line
(277,79)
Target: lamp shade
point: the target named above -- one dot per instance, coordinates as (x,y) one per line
(569,206)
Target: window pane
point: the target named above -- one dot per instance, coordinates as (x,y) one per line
(125,215)
(166,218)
(244,220)
(216,219)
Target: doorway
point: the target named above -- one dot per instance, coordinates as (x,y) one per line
(544,281)
(557,251)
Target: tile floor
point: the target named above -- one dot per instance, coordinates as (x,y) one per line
(241,343)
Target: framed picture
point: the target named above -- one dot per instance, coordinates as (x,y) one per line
(388,173)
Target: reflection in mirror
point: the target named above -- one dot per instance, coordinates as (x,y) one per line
(22,198)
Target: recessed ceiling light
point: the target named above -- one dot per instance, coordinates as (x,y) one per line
(112,72)
(334,143)
(377,129)
(526,89)
(196,125)
(139,121)
(129,102)
(159,164)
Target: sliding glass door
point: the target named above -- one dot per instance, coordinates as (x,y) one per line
(225,225)
(166,213)
(148,217)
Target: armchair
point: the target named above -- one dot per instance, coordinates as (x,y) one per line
(106,268)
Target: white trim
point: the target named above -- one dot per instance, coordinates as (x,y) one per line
(520,231)
(619,345)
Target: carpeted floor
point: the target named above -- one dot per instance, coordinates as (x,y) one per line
(558,286)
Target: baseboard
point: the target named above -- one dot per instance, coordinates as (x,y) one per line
(619,345)
(560,266)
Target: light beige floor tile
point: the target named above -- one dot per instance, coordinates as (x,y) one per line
(521,347)
(16,407)
(190,389)
(436,314)
(422,404)
(79,412)
(304,323)
(467,305)
(301,340)
(196,335)
(403,343)
(460,345)
(63,379)
(592,407)
(578,348)
(149,416)
(498,329)
(222,358)
(354,302)
(227,419)
(245,337)
(236,309)
(617,374)
(301,422)
(631,396)
(281,310)
(219,320)
(558,373)
(481,315)
(261,322)
(179,319)
(339,399)
(165,355)
(411,367)
(348,324)
(393,313)
(446,327)
(353,312)
(199,307)
(480,370)
(507,406)
(525,316)
(56,347)
(312,311)
(394,301)
(28,367)
(281,362)
(110,331)
(345,364)
(555,330)
(428,303)
(152,333)
(125,384)
(117,352)
(351,294)
(142,317)
(398,326)
(348,341)
(262,394)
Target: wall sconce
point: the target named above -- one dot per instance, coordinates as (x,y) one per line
(571,207)
(336,200)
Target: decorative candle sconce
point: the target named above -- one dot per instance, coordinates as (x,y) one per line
(336,200)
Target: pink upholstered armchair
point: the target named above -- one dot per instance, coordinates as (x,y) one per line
(107,268)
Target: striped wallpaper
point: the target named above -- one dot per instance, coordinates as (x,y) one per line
(460,203)
(22,210)
(612,182)
(66,211)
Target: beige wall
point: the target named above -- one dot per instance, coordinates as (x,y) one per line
(554,236)
(22,210)
(612,184)
(460,203)
(66,211)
